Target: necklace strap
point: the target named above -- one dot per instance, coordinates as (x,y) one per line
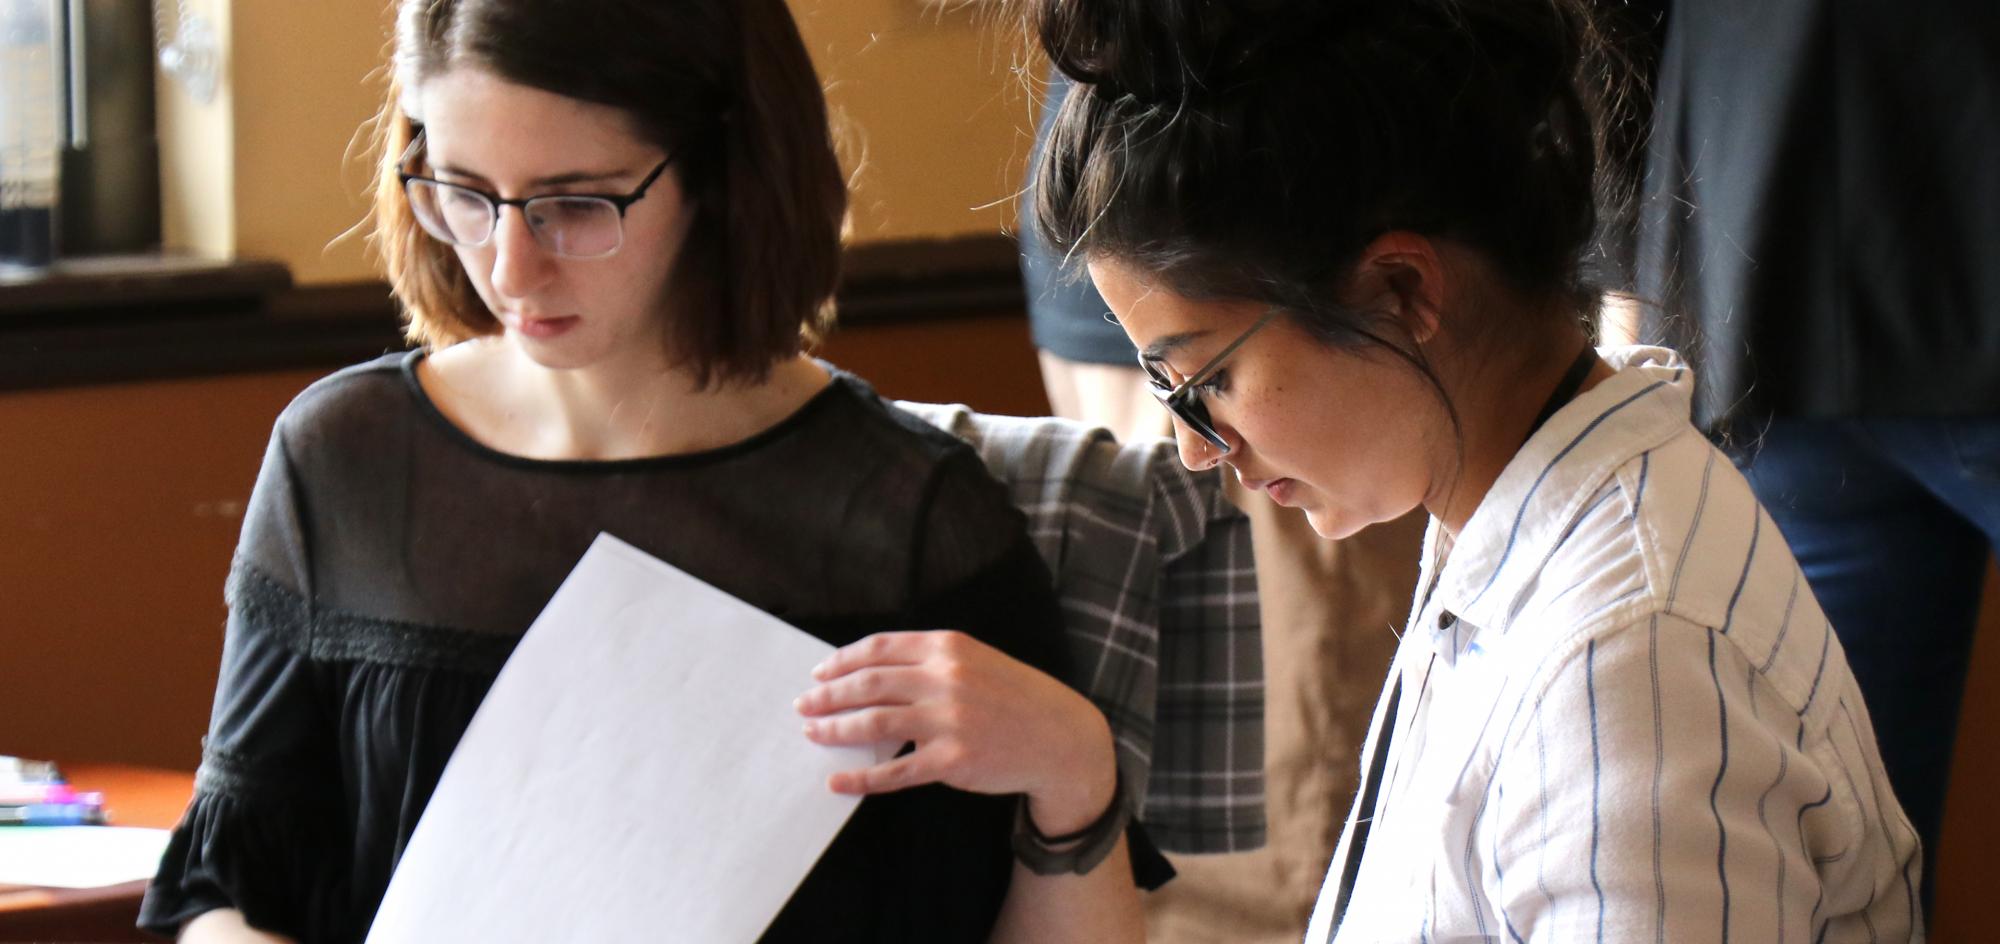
(1572,381)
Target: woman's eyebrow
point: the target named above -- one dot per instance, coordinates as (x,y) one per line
(1161,347)
(555,180)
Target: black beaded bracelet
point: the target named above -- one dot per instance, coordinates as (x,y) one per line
(1082,850)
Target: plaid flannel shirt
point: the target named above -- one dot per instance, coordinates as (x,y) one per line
(1154,572)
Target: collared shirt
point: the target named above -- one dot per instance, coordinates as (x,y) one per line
(1623,716)
(1155,576)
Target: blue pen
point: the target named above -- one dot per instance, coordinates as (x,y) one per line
(52,814)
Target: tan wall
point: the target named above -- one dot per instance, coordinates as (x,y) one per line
(197,163)
(934,126)
(935,119)
(305,76)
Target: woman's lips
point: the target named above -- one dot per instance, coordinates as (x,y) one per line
(1280,490)
(544,328)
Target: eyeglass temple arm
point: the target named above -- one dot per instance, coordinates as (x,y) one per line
(1215,363)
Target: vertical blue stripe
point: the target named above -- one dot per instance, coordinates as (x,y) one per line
(1659,768)
(1777,851)
(1542,812)
(1756,526)
(1785,625)
(1820,899)
(1473,754)
(1542,809)
(1694,524)
(1596,779)
(1784,763)
(1472,881)
(1825,642)
(1715,789)
(1882,819)
(1500,873)
(1750,685)
(1847,771)
(1528,499)
(1424,926)
(1645,459)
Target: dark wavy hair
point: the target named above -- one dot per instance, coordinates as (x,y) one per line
(1252,149)
(725,85)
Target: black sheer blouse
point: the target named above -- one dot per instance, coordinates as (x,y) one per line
(389,563)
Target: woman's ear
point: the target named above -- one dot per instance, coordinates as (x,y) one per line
(1403,273)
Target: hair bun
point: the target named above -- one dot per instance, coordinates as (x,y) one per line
(1166,51)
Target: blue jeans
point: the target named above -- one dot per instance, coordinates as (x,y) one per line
(1891,520)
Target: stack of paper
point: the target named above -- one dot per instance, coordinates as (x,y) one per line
(79,856)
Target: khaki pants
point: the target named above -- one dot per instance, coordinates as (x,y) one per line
(1330,611)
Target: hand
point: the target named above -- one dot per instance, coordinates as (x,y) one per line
(982,721)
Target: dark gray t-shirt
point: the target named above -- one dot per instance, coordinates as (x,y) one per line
(1822,209)
(389,563)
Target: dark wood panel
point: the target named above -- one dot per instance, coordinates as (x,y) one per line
(237,318)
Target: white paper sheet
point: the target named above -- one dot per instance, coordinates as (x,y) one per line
(636,773)
(78,856)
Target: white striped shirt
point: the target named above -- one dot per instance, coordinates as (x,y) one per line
(1623,716)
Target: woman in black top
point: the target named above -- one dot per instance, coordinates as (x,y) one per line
(614,226)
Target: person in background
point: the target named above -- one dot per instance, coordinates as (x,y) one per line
(1346,239)
(1821,231)
(613,226)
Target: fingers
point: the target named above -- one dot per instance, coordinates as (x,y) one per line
(898,774)
(873,726)
(929,764)
(942,690)
(889,649)
(863,688)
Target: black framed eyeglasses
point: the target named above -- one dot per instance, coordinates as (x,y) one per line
(573,225)
(1183,400)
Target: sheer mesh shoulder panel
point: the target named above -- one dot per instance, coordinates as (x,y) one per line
(258,834)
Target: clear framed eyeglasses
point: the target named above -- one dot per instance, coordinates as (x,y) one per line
(572,225)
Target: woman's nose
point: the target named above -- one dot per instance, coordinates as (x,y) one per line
(1197,453)
(520,264)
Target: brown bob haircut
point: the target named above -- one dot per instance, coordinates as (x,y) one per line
(726,86)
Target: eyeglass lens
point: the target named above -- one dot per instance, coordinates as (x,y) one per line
(568,226)
(1187,407)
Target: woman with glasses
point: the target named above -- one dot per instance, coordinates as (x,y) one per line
(1347,239)
(613,227)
